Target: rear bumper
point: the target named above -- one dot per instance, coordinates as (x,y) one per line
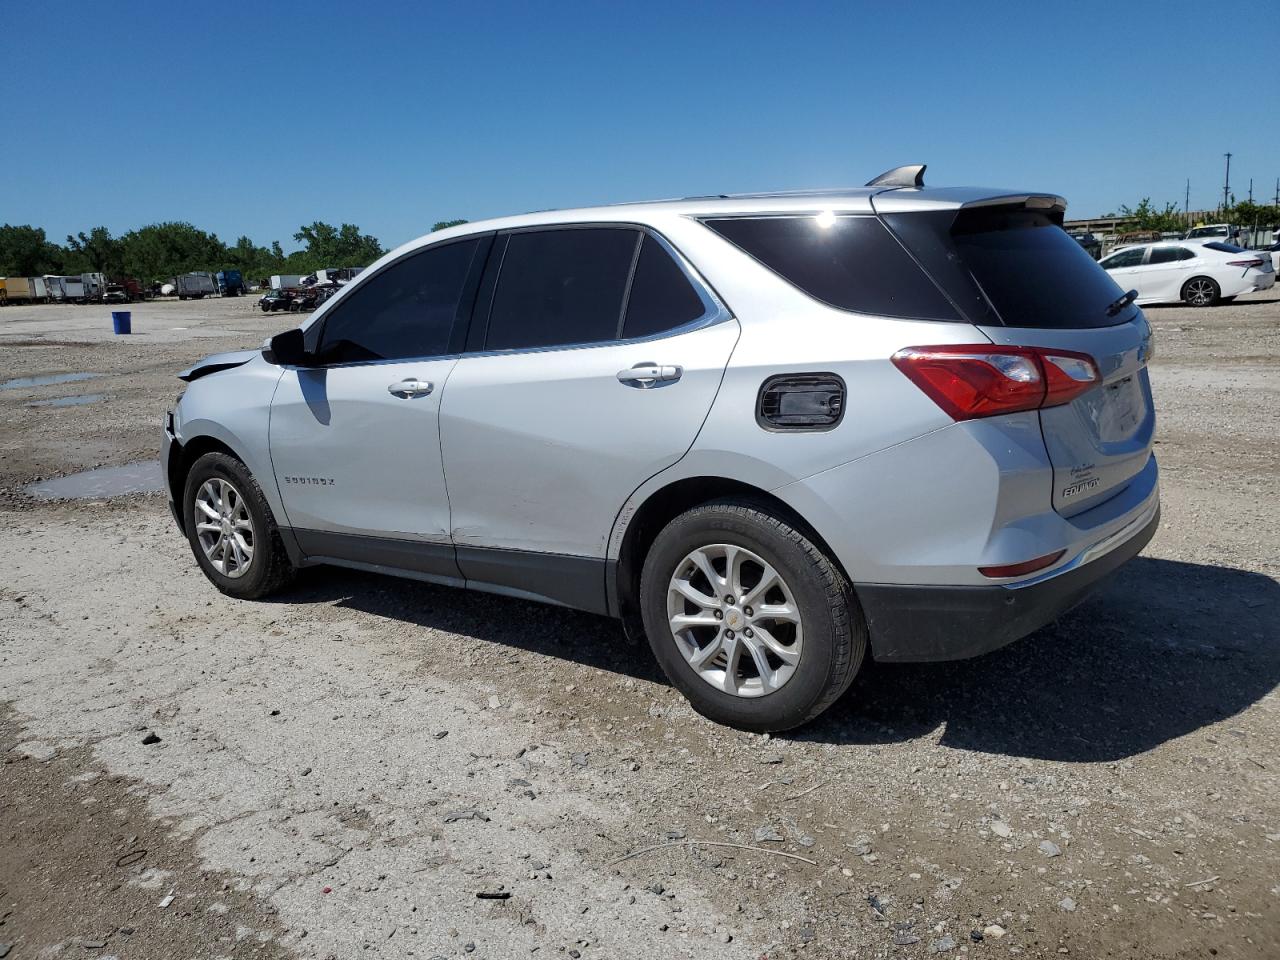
(930,623)
(1265,281)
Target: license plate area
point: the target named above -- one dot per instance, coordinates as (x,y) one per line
(1116,409)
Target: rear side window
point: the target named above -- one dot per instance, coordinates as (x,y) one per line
(1170,254)
(852,263)
(661,295)
(559,287)
(1011,265)
(407,310)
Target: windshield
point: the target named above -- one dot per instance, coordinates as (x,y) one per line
(1012,266)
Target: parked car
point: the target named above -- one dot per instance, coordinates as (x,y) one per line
(1213,231)
(773,434)
(1199,273)
(115,293)
(274,300)
(1091,244)
(1274,250)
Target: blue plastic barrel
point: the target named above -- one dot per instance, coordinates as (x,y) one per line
(122,321)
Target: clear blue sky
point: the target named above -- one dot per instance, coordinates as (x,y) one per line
(255,118)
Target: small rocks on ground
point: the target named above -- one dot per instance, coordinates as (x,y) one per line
(150,738)
(1049,848)
(1001,829)
(1067,904)
(994,931)
(466,815)
(943,944)
(768,834)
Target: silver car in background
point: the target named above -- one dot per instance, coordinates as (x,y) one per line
(774,434)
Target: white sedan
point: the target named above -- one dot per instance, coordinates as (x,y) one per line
(1197,273)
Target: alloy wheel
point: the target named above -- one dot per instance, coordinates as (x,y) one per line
(734,620)
(224,527)
(1200,292)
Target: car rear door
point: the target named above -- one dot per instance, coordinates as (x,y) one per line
(597,354)
(355,436)
(1166,269)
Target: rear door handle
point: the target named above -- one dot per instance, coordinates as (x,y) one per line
(411,388)
(646,375)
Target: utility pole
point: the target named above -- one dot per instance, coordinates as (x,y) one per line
(1226,185)
(1186,203)
(1251,190)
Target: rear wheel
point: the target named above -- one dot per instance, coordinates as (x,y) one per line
(231,529)
(748,618)
(1201,292)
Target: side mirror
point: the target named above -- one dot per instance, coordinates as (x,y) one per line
(287,349)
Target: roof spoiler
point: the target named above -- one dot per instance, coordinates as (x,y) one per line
(910,175)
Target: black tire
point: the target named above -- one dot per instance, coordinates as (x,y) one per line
(835,634)
(269,568)
(1192,298)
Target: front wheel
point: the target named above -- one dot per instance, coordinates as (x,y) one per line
(1201,292)
(748,618)
(231,529)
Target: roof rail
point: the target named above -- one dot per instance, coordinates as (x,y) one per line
(910,175)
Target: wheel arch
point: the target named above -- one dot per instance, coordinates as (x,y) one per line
(182,456)
(662,506)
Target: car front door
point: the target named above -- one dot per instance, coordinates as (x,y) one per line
(354,436)
(1125,267)
(597,357)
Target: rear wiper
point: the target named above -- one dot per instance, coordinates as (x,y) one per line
(1123,302)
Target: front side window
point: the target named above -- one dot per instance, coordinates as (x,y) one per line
(561,287)
(407,310)
(1125,258)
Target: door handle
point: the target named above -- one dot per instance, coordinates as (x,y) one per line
(646,375)
(411,388)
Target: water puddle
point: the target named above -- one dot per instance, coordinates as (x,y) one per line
(141,477)
(46,380)
(79,401)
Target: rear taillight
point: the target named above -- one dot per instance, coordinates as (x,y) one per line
(972,381)
(1255,262)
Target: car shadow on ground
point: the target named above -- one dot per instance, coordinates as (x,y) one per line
(1162,649)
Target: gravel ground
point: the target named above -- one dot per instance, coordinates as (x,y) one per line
(369,766)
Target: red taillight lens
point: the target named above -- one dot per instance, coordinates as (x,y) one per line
(972,381)
(1255,262)
(1022,569)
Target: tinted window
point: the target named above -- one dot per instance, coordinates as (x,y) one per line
(661,295)
(1125,258)
(852,263)
(561,287)
(406,310)
(1223,247)
(1166,255)
(1013,265)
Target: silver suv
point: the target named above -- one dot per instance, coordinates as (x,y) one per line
(773,434)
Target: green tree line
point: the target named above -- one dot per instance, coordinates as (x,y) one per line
(159,251)
(1169,218)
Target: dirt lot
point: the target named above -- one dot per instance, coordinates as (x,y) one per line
(377,767)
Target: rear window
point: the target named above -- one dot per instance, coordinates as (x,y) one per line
(849,262)
(1010,265)
(1223,247)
